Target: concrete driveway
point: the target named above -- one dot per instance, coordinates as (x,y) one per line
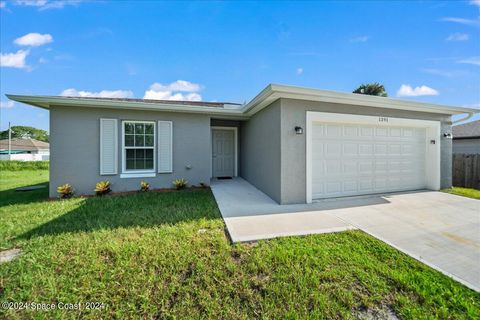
(439,229)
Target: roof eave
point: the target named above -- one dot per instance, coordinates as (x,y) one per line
(45,102)
(276,91)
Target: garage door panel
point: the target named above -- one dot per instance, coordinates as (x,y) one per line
(350,149)
(381,132)
(333,149)
(333,130)
(350,159)
(366,132)
(365,149)
(350,131)
(333,167)
(350,167)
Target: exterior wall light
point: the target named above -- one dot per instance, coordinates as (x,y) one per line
(298,130)
(448,135)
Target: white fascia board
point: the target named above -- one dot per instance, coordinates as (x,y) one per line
(275,91)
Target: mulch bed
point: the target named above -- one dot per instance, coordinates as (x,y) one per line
(124,193)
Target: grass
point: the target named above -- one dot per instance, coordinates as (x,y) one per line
(166,256)
(465,192)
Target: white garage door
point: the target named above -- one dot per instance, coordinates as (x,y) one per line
(358,159)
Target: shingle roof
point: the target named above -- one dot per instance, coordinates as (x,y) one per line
(24,144)
(467,130)
(175,102)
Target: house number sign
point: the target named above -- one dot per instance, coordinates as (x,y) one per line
(382,119)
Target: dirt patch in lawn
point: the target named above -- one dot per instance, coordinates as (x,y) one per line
(384,313)
(9,255)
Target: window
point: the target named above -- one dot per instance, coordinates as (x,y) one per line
(138,146)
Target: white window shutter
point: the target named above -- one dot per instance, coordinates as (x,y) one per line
(165,146)
(108,146)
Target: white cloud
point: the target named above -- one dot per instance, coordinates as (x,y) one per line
(34,39)
(47,4)
(3,4)
(6,104)
(14,60)
(458,37)
(360,39)
(178,90)
(475,3)
(299,71)
(472,60)
(101,94)
(468,22)
(407,91)
(179,85)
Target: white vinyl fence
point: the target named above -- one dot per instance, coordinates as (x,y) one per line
(25,157)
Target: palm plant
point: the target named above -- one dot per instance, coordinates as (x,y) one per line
(372,89)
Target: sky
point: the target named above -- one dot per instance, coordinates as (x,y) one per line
(229,51)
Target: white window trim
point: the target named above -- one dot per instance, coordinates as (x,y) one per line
(135,173)
(235,138)
(102,173)
(432,152)
(171,146)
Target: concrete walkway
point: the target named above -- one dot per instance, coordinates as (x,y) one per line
(251,215)
(439,229)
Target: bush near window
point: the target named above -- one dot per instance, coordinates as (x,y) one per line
(102,188)
(144,186)
(180,183)
(65,191)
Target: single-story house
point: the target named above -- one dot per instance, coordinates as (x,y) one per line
(466,138)
(294,144)
(24,149)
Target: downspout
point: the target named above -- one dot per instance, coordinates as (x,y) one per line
(469,115)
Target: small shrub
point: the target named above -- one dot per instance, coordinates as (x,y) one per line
(65,191)
(102,188)
(144,186)
(180,183)
(16,165)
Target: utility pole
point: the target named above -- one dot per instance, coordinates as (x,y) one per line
(9,140)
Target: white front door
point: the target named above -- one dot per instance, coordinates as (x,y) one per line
(358,159)
(223,153)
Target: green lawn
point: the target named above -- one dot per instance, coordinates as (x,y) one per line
(166,255)
(466,192)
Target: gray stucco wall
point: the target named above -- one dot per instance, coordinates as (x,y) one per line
(261,149)
(293,146)
(75,147)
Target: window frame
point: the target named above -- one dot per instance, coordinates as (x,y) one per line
(124,148)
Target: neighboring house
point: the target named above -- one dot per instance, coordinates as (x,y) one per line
(466,138)
(24,149)
(295,144)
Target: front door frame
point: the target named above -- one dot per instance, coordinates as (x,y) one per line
(235,142)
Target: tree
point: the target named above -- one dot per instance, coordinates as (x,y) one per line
(372,89)
(26,132)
